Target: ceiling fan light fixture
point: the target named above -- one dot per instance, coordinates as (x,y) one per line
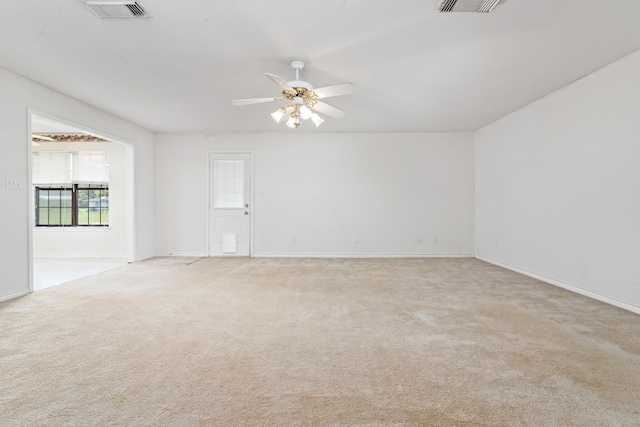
(279,114)
(293,122)
(305,112)
(317,120)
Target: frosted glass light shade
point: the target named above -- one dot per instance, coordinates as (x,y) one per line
(278,114)
(305,112)
(317,119)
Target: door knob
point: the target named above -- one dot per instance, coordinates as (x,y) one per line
(246,212)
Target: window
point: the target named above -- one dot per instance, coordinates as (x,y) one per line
(71,189)
(54,206)
(92,204)
(79,205)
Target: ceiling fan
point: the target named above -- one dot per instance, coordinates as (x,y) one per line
(302,99)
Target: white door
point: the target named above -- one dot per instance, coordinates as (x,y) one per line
(229,204)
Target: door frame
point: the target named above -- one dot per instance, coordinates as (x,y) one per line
(130,224)
(210,153)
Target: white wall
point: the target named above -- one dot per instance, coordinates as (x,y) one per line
(18,95)
(558,186)
(90,241)
(326,189)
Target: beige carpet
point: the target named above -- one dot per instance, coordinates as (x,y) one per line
(316,342)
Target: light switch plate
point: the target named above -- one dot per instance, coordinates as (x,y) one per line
(12,183)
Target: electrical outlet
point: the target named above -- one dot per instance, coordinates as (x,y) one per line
(356,239)
(293,239)
(419,241)
(435,239)
(12,183)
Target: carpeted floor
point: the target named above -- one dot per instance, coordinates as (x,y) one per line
(316,342)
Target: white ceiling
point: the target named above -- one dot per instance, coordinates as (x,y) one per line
(415,69)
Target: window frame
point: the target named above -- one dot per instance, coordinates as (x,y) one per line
(75,189)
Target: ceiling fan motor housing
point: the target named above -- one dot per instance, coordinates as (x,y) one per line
(300,84)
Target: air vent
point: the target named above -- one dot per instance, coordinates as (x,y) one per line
(117,9)
(480,6)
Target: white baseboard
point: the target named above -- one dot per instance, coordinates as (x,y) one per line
(143,257)
(79,255)
(181,254)
(357,255)
(15,294)
(621,304)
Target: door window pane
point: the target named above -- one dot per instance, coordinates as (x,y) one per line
(228,184)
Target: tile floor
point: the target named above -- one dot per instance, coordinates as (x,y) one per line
(49,272)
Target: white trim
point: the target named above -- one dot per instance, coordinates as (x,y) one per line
(130,227)
(15,294)
(79,254)
(359,255)
(181,254)
(143,257)
(594,295)
(207,205)
(31,203)
(72,229)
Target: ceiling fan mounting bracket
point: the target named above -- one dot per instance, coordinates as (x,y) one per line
(297,65)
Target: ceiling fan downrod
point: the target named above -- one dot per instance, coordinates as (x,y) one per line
(297,66)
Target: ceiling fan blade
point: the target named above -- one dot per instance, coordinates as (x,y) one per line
(280,82)
(249,101)
(327,109)
(335,90)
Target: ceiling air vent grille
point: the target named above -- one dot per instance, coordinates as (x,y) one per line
(447,5)
(117,9)
(480,6)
